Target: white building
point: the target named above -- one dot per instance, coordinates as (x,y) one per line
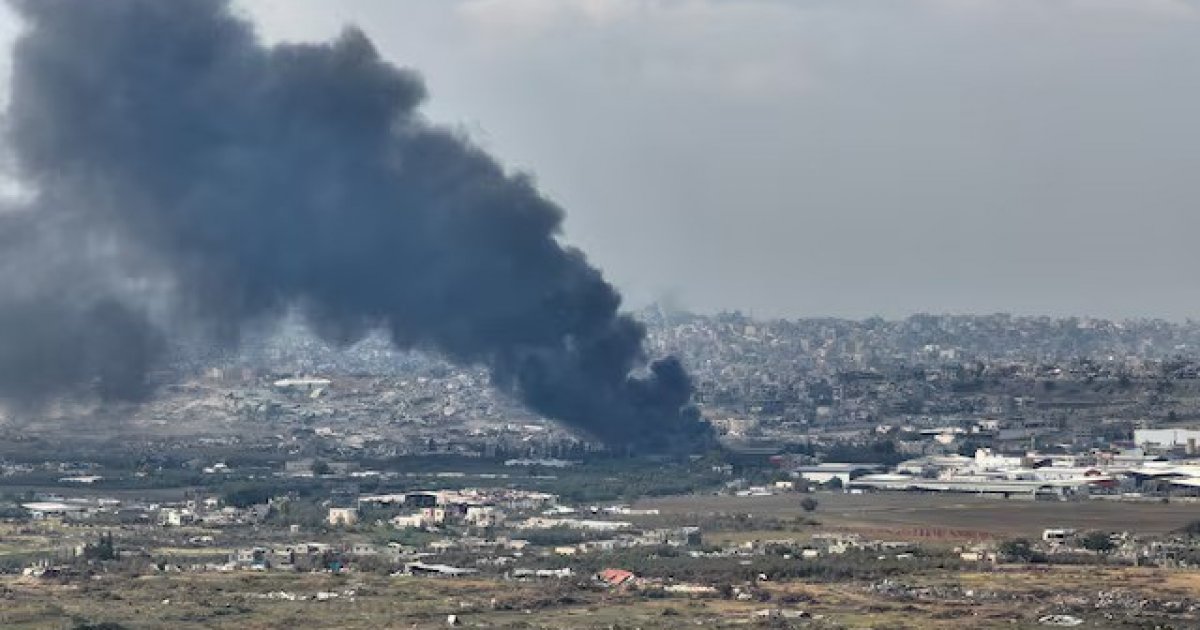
(484,516)
(51,509)
(538,522)
(411,521)
(986,459)
(347,516)
(826,472)
(1059,534)
(1166,438)
(175,517)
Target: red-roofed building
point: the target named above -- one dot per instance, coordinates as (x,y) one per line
(615,577)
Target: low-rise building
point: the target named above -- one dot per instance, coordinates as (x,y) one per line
(346,516)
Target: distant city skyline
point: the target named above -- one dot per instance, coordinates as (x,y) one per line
(811,158)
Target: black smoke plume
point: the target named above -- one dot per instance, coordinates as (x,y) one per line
(63,323)
(252,179)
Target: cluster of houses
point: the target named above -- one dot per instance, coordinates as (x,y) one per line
(479,508)
(207,511)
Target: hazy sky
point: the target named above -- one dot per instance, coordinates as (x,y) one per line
(832,157)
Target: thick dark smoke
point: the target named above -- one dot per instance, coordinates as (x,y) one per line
(255,179)
(62,323)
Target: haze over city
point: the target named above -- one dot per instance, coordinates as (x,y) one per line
(599,314)
(829,158)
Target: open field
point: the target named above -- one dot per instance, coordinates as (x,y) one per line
(327,601)
(943,516)
(1013,598)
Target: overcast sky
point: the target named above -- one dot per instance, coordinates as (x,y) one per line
(826,157)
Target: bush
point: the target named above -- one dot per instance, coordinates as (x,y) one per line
(555,536)
(1018,549)
(808,504)
(244,496)
(1097,541)
(102,550)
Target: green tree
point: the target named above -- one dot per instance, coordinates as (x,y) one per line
(1097,541)
(245,495)
(808,504)
(1017,549)
(103,549)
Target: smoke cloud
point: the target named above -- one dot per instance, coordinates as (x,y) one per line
(63,323)
(167,143)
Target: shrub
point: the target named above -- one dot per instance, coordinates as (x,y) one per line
(1097,541)
(1018,549)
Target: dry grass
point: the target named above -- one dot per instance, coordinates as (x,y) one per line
(234,600)
(943,516)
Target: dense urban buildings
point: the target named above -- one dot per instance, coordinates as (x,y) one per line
(886,452)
